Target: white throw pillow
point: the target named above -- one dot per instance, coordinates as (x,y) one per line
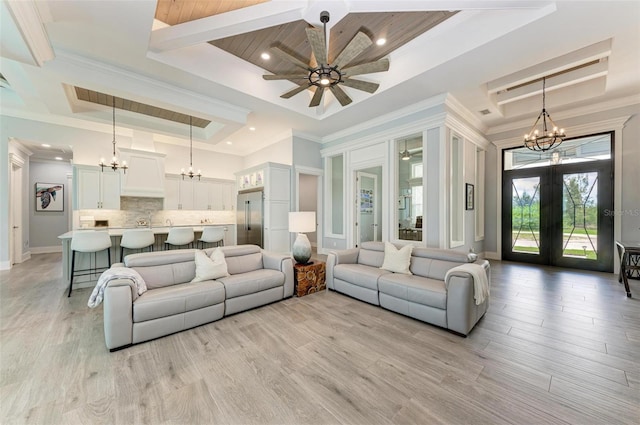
(210,268)
(397,260)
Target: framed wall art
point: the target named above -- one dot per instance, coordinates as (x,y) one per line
(49,197)
(469,196)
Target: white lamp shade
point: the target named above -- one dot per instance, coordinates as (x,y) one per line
(302,221)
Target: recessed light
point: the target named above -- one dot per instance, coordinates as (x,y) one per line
(381,41)
(266,56)
(252,128)
(58,158)
(229,142)
(45,145)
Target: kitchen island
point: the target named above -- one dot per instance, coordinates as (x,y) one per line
(86,261)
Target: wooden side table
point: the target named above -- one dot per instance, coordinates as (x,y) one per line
(309,278)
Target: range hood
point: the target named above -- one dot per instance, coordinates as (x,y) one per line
(145,175)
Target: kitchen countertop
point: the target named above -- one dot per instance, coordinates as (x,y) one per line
(158,230)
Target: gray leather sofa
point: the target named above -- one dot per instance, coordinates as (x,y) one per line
(172,304)
(424,295)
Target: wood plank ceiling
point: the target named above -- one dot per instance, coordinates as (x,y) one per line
(137,107)
(398,28)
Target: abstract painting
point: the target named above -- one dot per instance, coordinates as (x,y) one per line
(49,197)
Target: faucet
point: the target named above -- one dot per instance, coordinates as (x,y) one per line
(168,221)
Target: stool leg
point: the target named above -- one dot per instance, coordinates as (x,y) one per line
(121,254)
(73,260)
(109,257)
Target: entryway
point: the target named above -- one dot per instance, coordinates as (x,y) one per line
(368,207)
(557,206)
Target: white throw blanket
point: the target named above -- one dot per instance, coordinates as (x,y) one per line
(480,280)
(112,274)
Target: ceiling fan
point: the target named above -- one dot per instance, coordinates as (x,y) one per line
(330,75)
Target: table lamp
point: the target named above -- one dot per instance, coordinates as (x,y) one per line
(302,222)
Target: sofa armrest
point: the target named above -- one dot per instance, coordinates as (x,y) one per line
(462,311)
(282,263)
(118,313)
(335,257)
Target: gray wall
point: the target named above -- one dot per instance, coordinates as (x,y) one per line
(45,227)
(4,197)
(631,179)
(431,209)
(308,199)
(491,196)
(306,153)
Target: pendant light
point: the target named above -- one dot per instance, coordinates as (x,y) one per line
(114,164)
(548,136)
(405,155)
(190,173)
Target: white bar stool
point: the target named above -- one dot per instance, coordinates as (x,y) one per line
(88,241)
(136,239)
(212,234)
(179,236)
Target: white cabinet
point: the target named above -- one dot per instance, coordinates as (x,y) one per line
(178,193)
(275,180)
(145,174)
(96,189)
(199,195)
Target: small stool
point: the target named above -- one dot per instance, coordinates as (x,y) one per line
(88,241)
(213,235)
(180,236)
(136,239)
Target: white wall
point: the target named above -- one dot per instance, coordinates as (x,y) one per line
(213,164)
(280,153)
(45,227)
(630,215)
(4,197)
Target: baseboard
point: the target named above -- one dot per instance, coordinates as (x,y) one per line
(46,249)
(491,255)
(26,256)
(5,265)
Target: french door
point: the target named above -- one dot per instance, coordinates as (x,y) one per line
(559,215)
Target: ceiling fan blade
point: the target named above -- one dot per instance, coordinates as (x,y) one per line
(342,97)
(318,45)
(286,56)
(357,45)
(361,85)
(285,76)
(295,91)
(367,68)
(317,97)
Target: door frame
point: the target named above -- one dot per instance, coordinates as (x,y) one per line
(319,173)
(356,224)
(551,194)
(16,188)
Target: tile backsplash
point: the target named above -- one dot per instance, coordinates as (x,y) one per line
(133,209)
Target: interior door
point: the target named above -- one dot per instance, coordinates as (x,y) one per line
(367,193)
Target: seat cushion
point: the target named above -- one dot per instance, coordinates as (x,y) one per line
(359,274)
(417,289)
(241,284)
(175,299)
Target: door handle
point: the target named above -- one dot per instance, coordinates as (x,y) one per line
(16,227)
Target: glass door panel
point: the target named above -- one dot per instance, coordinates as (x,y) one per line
(525,215)
(580,215)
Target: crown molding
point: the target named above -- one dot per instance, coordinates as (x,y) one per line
(136,83)
(582,129)
(576,112)
(25,15)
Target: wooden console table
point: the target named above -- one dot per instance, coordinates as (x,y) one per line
(309,278)
(629,262)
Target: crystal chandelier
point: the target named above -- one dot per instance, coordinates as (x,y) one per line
(190,173)
(548,136)
(114,164)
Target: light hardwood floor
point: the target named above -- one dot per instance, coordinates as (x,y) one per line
(556,346)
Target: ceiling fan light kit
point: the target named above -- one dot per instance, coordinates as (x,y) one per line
(114,164)
(329,75)
(549,135)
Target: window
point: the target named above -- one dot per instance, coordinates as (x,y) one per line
(410,187)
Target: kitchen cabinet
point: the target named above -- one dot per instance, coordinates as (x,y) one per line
(96,189)
(198,195)
(178,193)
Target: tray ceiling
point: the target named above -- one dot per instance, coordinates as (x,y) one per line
(174,12)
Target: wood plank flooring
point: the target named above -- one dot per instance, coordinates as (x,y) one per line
(557,346)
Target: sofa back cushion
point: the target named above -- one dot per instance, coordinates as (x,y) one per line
(164,268)
(435,263)
(242,258)
(371,254)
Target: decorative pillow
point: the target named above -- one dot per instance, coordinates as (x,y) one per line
(397,260)
(210,268)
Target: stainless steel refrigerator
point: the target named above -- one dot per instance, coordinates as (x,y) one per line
(250,218)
